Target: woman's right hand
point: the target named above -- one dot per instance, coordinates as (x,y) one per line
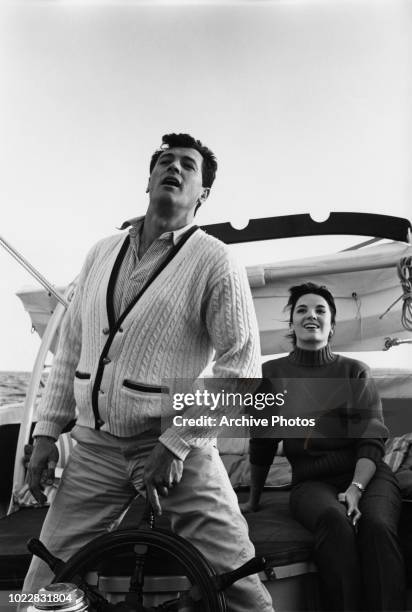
(351,498)
(248,506)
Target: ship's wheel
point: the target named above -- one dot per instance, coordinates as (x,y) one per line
(204,587)
(140,547)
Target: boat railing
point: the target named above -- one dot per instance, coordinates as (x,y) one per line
(32,270)
(31,396)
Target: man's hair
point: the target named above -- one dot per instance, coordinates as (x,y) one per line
(209,165)
(297,291)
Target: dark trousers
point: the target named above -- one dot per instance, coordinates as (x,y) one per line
(362,569)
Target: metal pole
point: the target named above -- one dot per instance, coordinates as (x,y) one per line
(31,270)
(389,342)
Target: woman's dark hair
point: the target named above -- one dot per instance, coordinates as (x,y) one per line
(297,291)
(209,165)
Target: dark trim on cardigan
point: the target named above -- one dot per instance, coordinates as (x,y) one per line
(112,282)
(116,324)
(81,375)
(135,386)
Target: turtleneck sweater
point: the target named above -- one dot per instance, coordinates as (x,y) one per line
(315,455)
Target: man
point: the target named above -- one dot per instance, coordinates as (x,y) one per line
(149,307)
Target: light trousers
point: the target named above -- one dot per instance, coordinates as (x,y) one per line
(102,477)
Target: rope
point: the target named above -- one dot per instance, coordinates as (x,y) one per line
(404,268)
(405,275)
(358,303)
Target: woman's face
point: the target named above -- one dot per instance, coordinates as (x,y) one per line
(311,322)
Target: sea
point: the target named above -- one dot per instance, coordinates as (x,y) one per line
(13,386)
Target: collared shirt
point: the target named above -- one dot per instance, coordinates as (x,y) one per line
(135,272)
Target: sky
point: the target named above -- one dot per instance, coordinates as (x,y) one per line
(306,103)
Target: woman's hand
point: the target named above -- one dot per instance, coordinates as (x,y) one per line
(351,499)
(248,506)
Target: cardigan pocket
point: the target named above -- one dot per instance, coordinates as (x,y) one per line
(142,399)
(82,390)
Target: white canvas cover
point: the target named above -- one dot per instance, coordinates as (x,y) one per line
(364,282)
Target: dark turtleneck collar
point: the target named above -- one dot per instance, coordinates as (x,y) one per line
(320,357)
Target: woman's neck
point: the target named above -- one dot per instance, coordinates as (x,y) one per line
(319,357)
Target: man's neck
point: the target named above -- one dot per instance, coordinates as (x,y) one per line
(154,226)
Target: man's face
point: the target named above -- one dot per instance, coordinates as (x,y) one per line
(176,180)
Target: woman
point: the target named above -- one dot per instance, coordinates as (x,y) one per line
(342,491)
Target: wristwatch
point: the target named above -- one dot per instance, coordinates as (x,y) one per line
(358,485)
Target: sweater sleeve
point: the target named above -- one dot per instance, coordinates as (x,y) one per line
(57,405)
(232,327)
(367,403)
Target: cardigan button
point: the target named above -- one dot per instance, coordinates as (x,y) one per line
(106,331)
(99,422)
(106,360)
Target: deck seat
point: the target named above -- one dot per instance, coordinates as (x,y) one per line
(15,530)
(272,530)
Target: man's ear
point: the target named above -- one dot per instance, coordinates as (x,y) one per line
(148,185)
(204,195)
(202,198)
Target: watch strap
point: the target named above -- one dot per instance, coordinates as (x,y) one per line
(358,485)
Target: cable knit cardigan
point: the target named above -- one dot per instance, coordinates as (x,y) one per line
(200,303)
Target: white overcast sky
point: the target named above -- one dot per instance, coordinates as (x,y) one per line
(306,103)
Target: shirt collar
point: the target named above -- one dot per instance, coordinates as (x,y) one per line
(136,223)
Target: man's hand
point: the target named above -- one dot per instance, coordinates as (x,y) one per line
(351,499)
(43,461)
(163,470)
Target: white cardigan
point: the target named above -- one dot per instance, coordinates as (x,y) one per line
(200,303)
